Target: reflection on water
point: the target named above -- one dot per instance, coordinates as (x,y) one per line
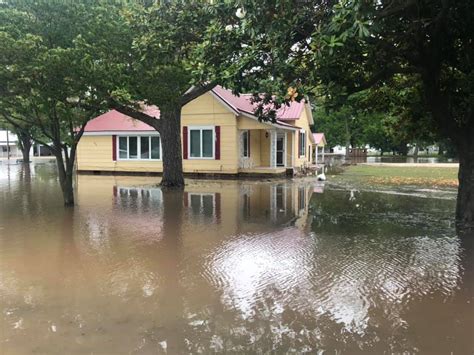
(227,266)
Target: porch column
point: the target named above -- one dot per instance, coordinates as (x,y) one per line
(273,137)
(317,148)
(323,154)
(292,142)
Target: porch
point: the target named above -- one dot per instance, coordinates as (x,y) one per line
(264,171)
(265,151)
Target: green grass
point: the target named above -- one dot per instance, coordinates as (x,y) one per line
(401,171)
(397,175)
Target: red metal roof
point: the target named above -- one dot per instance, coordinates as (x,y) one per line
(116,121)
(243,103)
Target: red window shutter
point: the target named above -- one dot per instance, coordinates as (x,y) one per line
(185,142)
(114,147)
(248,138)
(218,143)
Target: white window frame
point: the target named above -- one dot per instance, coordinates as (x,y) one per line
(201,128)
(246,131)
(138,136)
(201,195)
(201,202)
(302,132)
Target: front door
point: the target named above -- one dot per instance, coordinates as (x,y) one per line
(280,149)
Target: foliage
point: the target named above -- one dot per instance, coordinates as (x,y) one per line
(348,46)
(46,78)
(345,47)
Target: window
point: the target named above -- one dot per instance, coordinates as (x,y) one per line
(302,143)
(301,198)
(280,199)
(139,148)
(123,147)
(144,147)
(132,147)
(201,142)
(202,205)
(138,198)
(155,148)
(245,144)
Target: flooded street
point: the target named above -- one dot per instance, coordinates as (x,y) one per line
(228,266)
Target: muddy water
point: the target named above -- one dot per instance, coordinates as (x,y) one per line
(226,266)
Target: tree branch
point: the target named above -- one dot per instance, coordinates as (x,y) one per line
(395,8)
(384,74)
(138,115)
(196,91)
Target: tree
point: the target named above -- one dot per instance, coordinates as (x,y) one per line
(45,78)
(350,46)
(163,65)
(405,121)
(341,126)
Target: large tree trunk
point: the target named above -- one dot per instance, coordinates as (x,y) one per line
(465,201)
(170,133)
(25,151)
(25,143)
(65,173)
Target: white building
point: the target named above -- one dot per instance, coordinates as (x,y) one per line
(8,139)
(9,142)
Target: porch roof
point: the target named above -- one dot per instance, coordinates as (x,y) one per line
(319,138)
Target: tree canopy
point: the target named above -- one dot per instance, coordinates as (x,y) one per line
(345,47)
(46,78)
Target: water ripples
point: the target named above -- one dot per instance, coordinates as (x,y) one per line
(342,278)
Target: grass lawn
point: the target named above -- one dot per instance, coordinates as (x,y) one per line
(400,175)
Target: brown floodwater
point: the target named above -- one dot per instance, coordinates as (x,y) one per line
(229,266)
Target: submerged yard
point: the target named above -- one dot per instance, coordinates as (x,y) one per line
(231,266)
(403,174)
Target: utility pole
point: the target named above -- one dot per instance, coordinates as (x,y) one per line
(8,146)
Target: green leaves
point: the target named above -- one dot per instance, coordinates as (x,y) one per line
(46,59)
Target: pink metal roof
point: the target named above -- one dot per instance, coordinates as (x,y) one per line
(116,121)
(318,137)
(243,103)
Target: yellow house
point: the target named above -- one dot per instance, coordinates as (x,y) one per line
(220,135)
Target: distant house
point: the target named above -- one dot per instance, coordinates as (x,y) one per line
(220,135)
(9,144)
(318,147)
